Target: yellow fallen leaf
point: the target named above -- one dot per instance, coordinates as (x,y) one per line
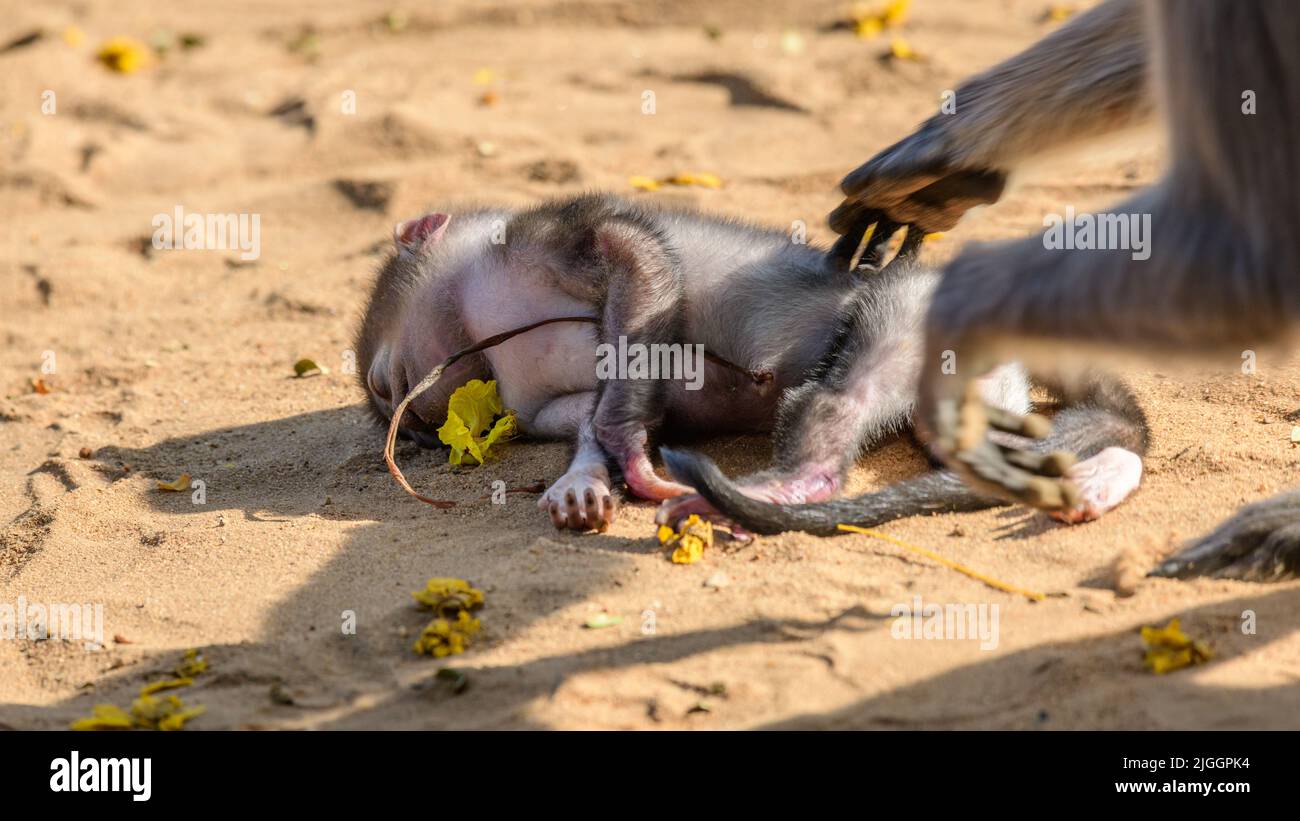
(470,412)
(123,55)
(1169,648)
(181,484)
(148,711)
(868,28)
(484,76)
(643,183)
(901,50)
(192,663)
(306,367)
(165,684)
(1058,13)
(602,620)
(689,540)
(935,237)
(176,721)
(105,717)
(704,180)
(870,21)
(167,713)
(896,12)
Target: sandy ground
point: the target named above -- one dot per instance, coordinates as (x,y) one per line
(181,362)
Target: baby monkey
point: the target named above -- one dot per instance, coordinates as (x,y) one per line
(794,342)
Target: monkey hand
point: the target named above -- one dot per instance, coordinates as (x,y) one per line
(971,437)
(923,181)
(985,445)
(1260,543)
(580,499)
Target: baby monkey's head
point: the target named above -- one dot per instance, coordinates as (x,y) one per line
(411,324)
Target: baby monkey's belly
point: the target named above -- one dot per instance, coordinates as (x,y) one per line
(722,401)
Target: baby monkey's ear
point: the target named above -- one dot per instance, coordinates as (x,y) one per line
(417,236)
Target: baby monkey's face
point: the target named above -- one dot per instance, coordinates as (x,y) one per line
(410,328)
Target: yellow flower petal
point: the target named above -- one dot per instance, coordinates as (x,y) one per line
(166,684)
(901,49)
(182,483)
(104,717)
(689,541)
(470,412)
(123,55)
(1169,648)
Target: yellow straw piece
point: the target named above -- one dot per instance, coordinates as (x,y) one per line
(949,563)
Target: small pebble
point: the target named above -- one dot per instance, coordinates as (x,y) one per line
(717,581)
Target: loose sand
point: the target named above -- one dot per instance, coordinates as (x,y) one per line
(181,362)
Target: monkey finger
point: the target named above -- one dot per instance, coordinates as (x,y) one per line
(851,217)
(846,246)
(873,255)
(944,422)
(988,465)
(1030,425)
(972,421)
(1054,464)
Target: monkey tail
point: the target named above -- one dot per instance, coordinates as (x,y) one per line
(1105,415)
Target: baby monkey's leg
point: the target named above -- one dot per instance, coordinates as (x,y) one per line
(581,498)
(642,308)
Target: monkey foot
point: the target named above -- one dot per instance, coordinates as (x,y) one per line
(1260,543)
(580,499)
(1103,481)
(1041,480)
